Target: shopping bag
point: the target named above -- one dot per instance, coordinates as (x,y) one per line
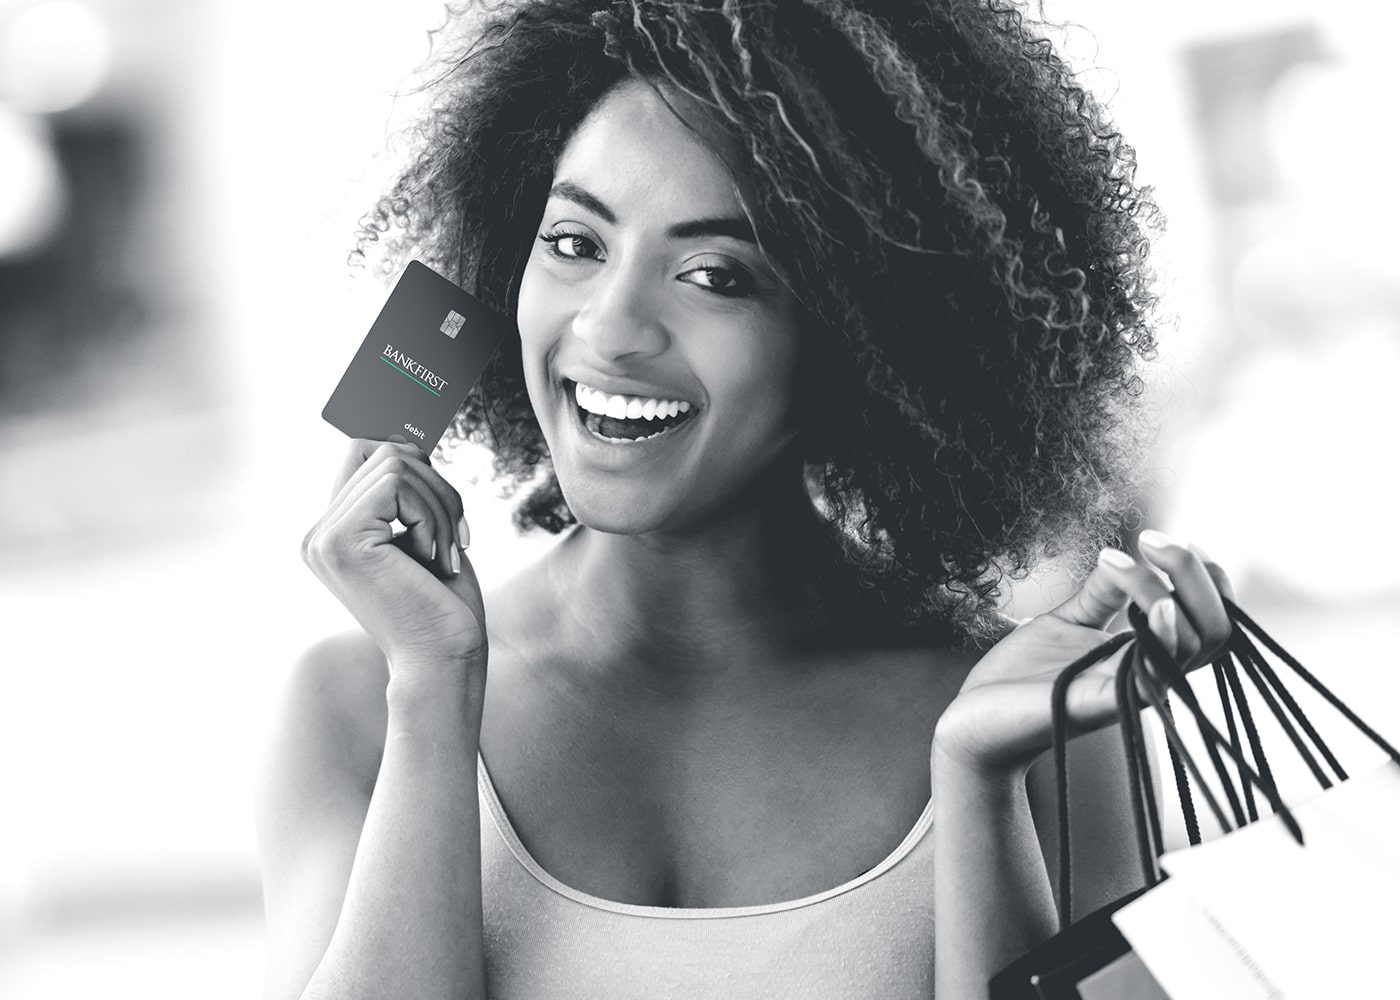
(1053,969)
(1278,919)
(1124,978)
(1147,679)
(1189,955)
(1294,905)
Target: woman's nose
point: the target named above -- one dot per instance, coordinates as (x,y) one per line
(621,316)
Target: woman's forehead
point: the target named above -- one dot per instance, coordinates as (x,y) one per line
(636,148)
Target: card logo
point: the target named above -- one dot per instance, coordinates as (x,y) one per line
(402,363)
(452,325)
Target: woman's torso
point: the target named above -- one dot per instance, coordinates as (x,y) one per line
(869,937)
(710,798)
(762,807)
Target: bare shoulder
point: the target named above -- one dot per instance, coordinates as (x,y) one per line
(949,662)
(314,787)
(325,743)
(902,686)
(333,703)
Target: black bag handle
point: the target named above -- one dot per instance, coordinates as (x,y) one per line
(1188,695)
(1232,699)
(1149,668)
(1132,674)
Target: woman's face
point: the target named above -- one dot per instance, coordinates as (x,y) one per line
(659,348)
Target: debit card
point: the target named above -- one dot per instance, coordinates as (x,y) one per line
(422,356)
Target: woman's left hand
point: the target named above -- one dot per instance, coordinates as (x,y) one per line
(1000,720)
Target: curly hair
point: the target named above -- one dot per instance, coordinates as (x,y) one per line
(954,212)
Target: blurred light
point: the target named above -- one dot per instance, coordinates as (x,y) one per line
(1290,485)
(1312,281)
(1333,153)
(53,56)
(1312,112)
(31,185)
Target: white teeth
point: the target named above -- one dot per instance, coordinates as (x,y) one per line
(593,402)
(629,407)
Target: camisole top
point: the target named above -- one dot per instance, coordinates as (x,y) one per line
(871,937)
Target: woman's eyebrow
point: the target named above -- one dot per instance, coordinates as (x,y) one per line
(736,227)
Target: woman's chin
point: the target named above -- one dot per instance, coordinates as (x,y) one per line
(614,512)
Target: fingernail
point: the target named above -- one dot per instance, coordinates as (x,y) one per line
(1117,558)
(456,561)
(464,534)
(1155,539)
(432,551)
(1167,616)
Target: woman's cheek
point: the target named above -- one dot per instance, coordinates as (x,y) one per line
(528,305)
(765,355)
(542,314)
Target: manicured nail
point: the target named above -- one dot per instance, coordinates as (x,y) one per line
(456,561)
(464,534)
(1117,558)
(1168,618)
(1155,539)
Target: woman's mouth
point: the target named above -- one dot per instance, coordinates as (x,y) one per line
(626,419)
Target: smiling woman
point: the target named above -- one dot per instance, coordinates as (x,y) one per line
(970,311)
(828,316)
(666,298)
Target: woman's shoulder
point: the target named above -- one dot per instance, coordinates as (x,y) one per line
(902,680)
(334,694)
(933,646)
(313,790)
(333,701)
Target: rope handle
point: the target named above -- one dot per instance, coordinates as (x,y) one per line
(1149,668)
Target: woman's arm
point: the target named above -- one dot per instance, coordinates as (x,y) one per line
(998,848)
(368,817)
(371,860)
(992,894)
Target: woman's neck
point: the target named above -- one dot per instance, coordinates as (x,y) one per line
(735,588)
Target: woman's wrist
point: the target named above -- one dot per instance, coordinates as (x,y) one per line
(429,693)
(954,761)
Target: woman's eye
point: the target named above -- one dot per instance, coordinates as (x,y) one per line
(569,246)
(723,280)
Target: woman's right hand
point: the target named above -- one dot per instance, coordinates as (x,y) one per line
(414,594)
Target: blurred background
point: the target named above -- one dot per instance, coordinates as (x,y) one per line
(179,185)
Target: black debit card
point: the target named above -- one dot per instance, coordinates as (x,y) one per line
(422,356)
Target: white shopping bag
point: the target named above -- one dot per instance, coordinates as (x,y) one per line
(1254,914)
(1187,951)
